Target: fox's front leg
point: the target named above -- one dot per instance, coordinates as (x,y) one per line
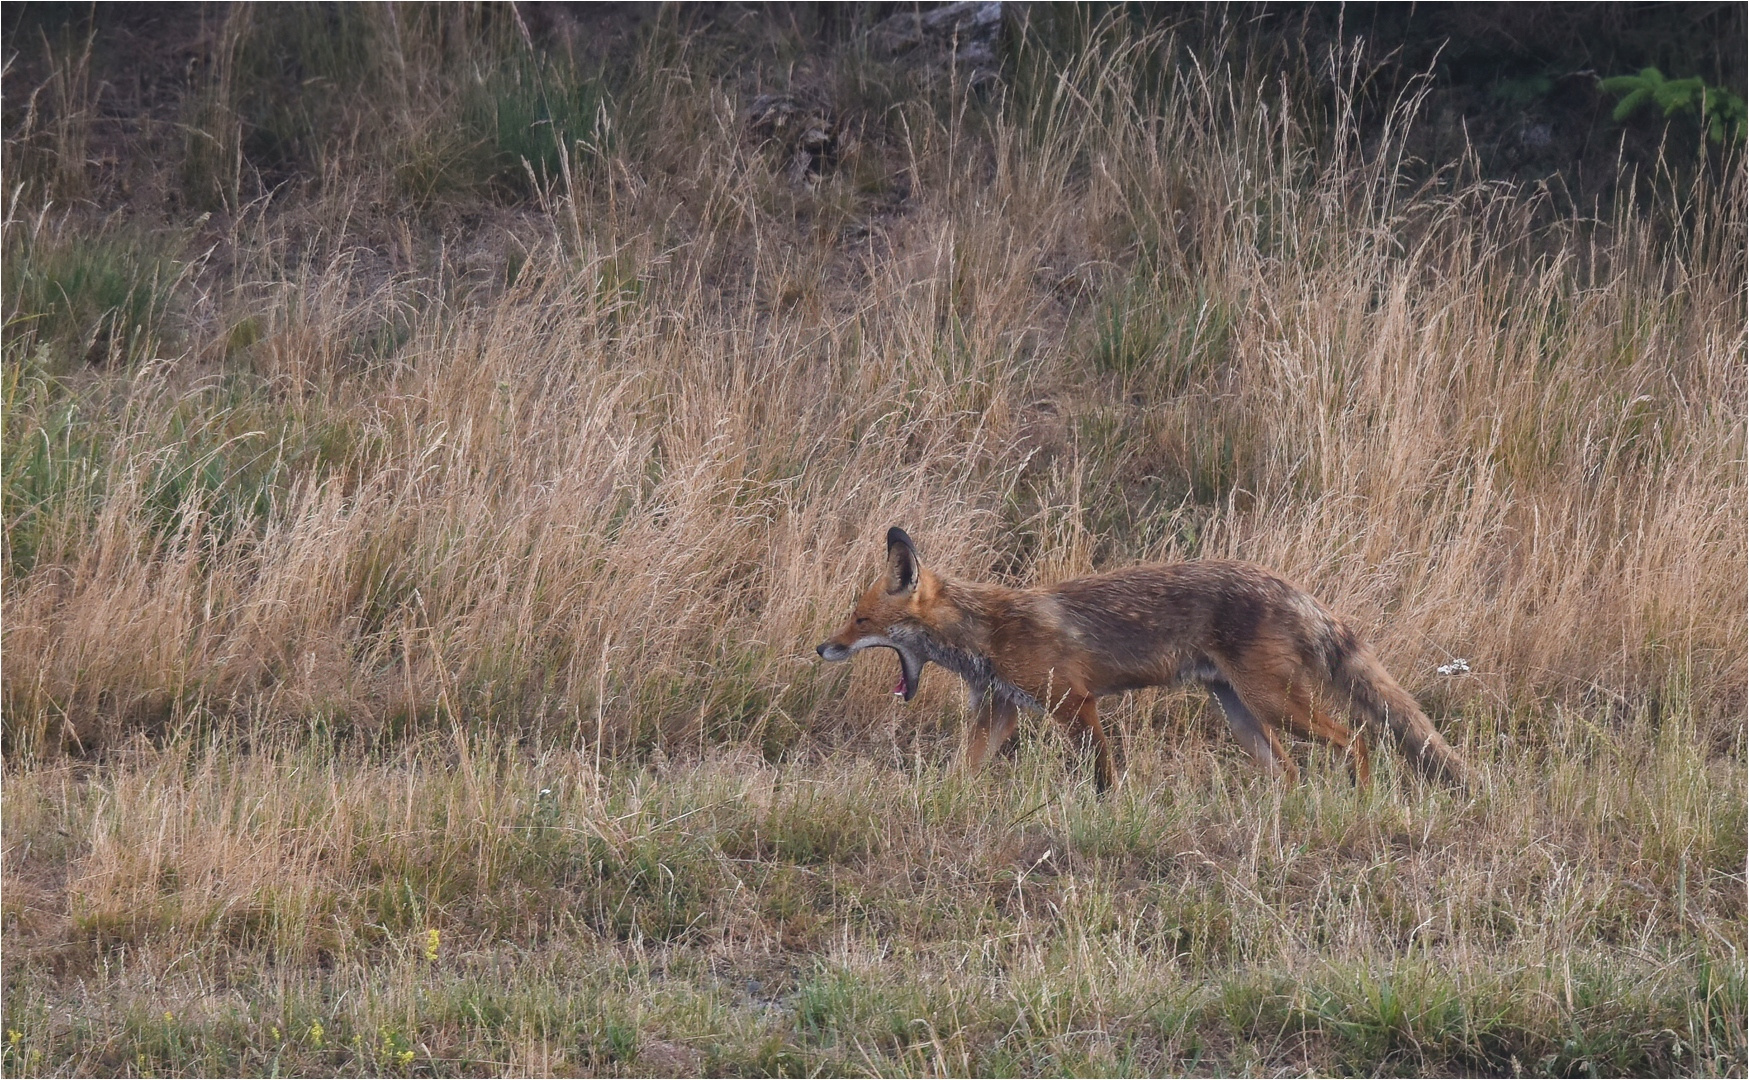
(1079,715)
(992,725)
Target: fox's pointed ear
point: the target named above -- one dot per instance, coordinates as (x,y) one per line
(902,561)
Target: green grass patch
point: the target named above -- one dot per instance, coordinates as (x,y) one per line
(51,461)
(83,298)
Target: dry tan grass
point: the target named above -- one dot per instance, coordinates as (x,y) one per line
(433,522)
(483,910)
(655,463)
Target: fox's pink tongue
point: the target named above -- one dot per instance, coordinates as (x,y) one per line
(899,687)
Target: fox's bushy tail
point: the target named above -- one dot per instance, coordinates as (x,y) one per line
(1386,706)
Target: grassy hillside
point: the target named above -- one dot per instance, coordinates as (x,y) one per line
(435,438)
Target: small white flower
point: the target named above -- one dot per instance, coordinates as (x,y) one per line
(1459,666)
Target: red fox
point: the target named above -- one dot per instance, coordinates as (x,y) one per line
(1264,649)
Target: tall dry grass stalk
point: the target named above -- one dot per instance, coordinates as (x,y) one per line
(1124,317)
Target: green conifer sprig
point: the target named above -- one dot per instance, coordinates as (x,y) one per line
(1720,113)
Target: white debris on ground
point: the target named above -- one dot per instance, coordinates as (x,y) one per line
(968,34)
(806,131)
(961,41)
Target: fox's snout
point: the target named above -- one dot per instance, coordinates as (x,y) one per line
(831,650)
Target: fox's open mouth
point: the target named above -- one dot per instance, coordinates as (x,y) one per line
(910,674)
(910,664)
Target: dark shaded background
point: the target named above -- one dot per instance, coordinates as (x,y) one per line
(1514,83)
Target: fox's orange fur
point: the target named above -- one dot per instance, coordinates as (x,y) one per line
(1266,650)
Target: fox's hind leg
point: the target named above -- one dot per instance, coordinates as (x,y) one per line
(1257,737)
(1305,717)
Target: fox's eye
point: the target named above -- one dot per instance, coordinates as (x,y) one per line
(863,622)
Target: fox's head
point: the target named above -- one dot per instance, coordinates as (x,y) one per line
(889,615)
